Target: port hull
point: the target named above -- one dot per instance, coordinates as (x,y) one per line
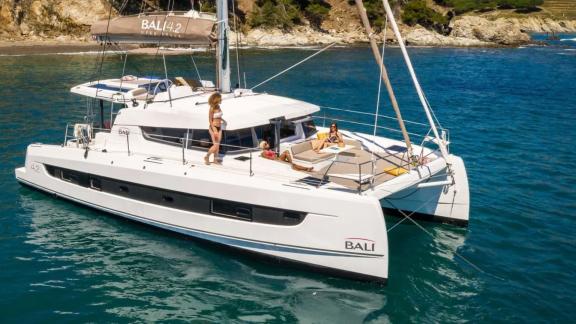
(320,241)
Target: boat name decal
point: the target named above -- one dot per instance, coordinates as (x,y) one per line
(362,244)
(160,25)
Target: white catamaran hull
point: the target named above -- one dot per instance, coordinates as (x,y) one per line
(342,233)
(441,198)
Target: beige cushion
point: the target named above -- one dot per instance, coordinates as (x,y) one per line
(311,156)
(352,142)
(302,147)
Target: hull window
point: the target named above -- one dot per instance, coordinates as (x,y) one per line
(180,200)
(231,209)
(95,184)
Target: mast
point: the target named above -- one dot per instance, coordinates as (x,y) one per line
(223,55)
(378,58)
(440,143)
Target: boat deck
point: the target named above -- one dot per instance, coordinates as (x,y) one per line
(355,170)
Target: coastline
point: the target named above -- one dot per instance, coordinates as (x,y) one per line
(49,46)
(275,39)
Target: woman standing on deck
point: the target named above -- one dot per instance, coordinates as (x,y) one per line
(214,127)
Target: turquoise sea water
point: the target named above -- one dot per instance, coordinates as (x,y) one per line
(511,115)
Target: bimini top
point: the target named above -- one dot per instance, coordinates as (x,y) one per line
(160,103)
(190,27)
(240,111)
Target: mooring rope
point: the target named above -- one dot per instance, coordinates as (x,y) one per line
(470,263)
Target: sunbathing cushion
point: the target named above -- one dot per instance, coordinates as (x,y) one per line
(353,142)
(302,147)
(311,156)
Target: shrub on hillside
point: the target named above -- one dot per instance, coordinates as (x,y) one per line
(287,13)
(462,6)
(275,13)
(375,11)
(417,12)
(316,11)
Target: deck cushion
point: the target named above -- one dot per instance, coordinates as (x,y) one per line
(311,156)
(302,147)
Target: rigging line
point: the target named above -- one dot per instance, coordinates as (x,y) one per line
(156,56)
(379,94)
(432,111)
(398,223)
(196,68)
(237,45)
(477,268)
(371,114)
(240,49)
(104,47)
(123,6)
(291,67)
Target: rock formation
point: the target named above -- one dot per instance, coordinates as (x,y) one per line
(49,18)
(500,31)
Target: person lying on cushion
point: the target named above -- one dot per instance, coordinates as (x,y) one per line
(269,154)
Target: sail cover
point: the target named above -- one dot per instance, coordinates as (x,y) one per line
(165,28)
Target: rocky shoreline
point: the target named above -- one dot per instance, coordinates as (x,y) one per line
(466,31)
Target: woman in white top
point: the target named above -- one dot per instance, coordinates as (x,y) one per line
(214,127)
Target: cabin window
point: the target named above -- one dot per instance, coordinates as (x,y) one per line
(240,139)
(309,128)
(287,129)
(231,209)
(165,135)
(199,138)
(266,133)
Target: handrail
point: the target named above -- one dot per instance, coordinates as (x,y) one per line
(372,161)
(372,114)
(366,124)
(185,141)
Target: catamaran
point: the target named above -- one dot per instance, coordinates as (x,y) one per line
(144,160)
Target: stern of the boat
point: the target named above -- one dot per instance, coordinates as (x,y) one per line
(444,199)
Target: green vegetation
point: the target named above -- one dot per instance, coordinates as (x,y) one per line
(375,11)
(462,6)
(417,12)
(287,13)
(316,11)
(275,13)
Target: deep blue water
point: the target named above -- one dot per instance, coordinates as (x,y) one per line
(511,115)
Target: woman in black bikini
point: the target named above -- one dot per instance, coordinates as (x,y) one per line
(334,137)
(214,127)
